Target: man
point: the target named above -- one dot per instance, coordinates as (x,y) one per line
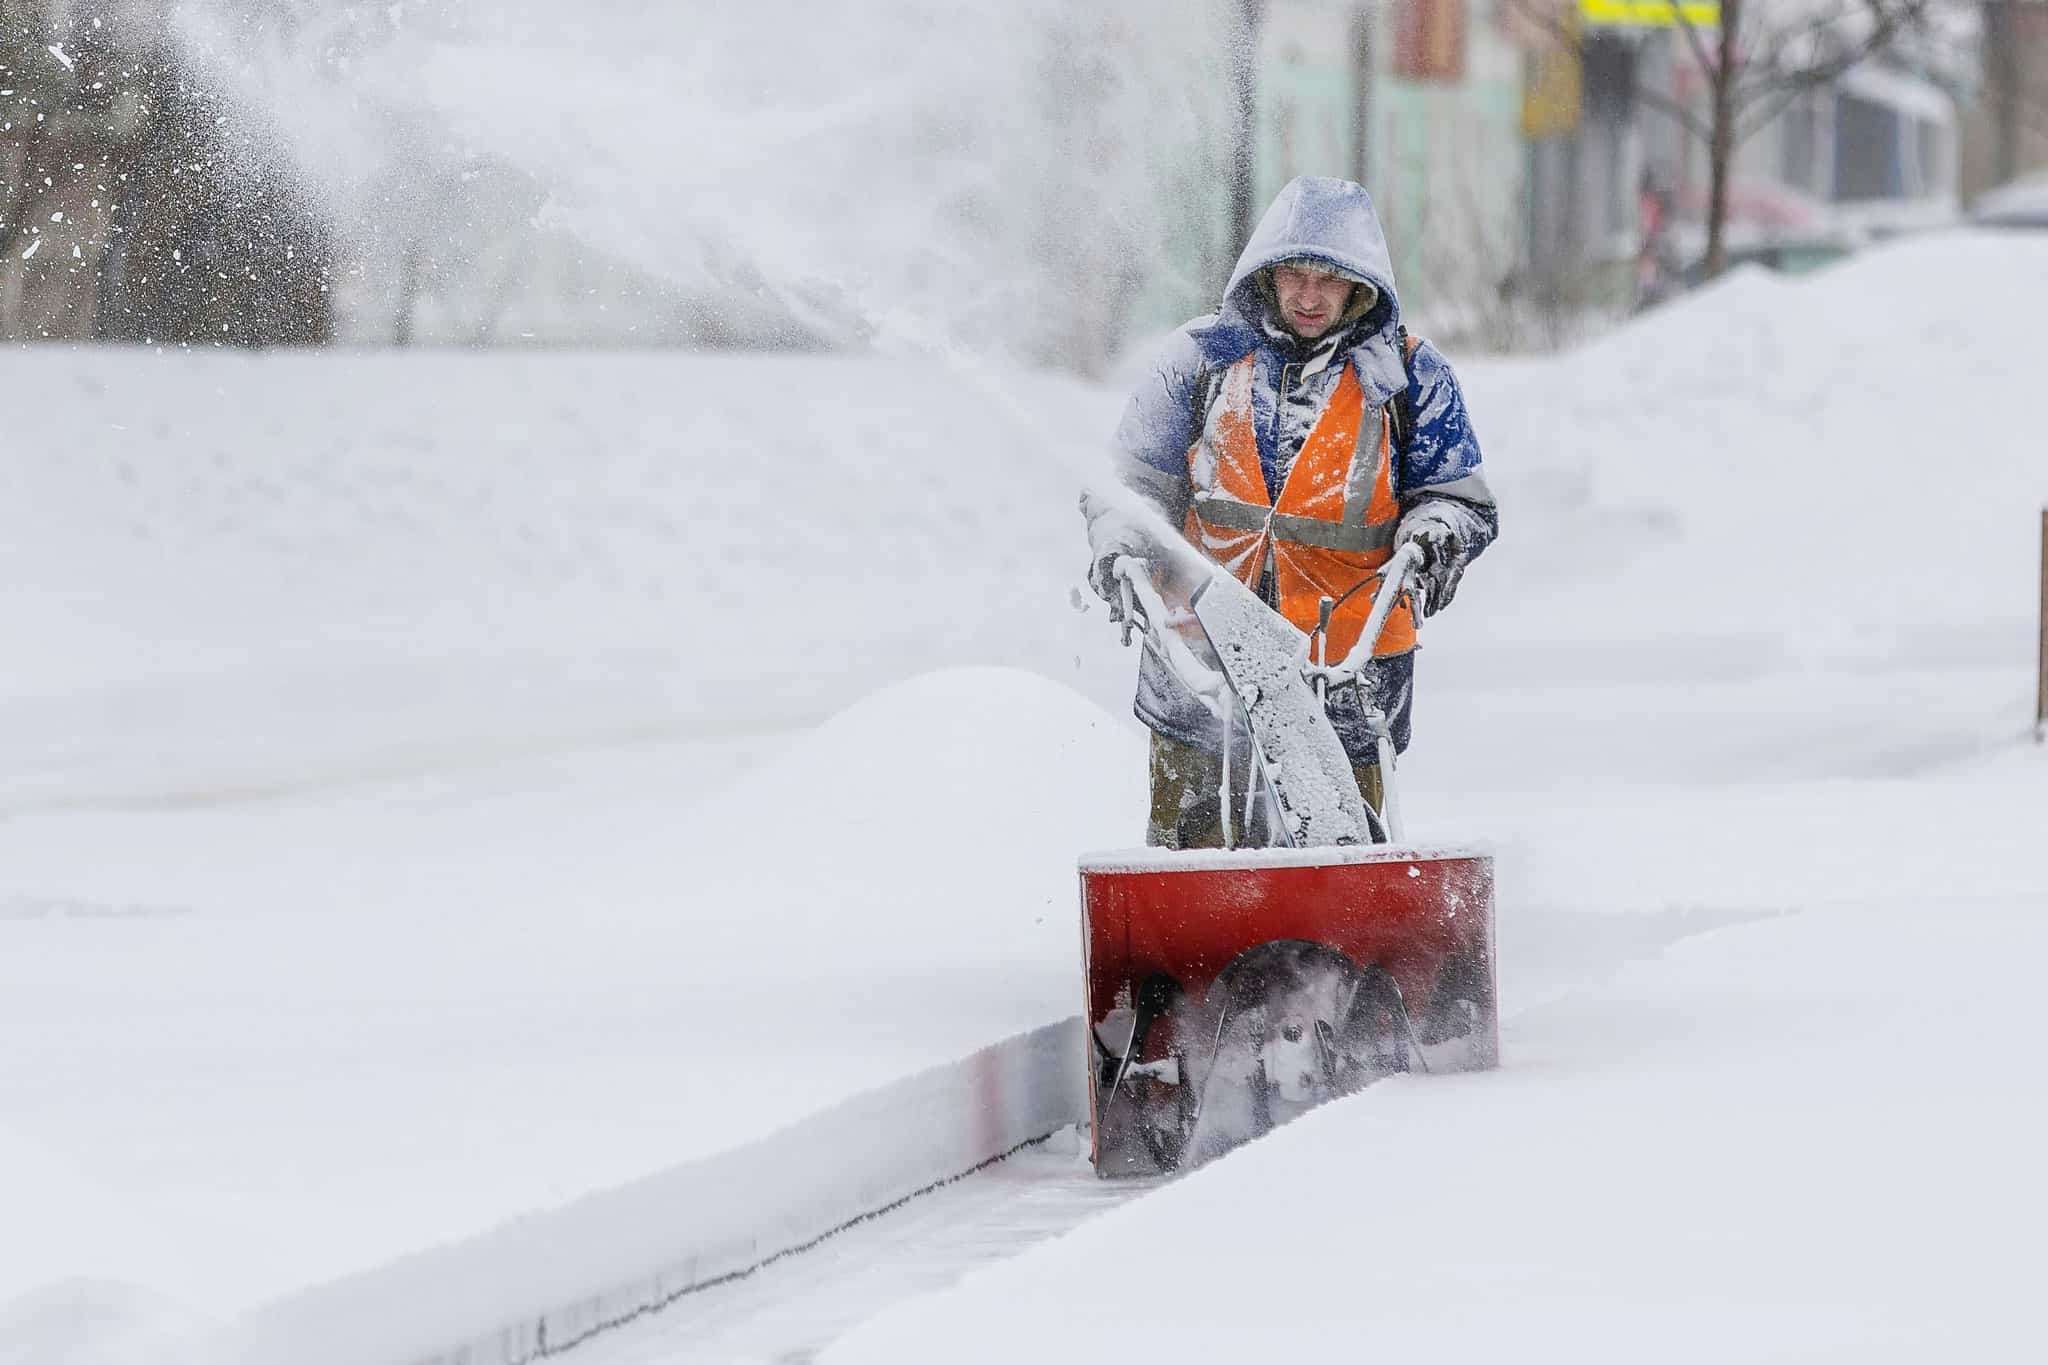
(1298,436)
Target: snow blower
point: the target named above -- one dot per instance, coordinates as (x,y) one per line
(1230,989)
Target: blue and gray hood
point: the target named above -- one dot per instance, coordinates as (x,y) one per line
(1331,222)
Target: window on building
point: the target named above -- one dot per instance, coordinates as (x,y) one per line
(1867,150)
(1800,144)
(1935,175)
(1429,40)
(1609,78)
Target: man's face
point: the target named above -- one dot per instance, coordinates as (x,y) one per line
(1310,300)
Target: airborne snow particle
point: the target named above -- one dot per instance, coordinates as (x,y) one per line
(33,247)
(57,50)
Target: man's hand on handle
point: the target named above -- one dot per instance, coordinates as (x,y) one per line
(1112,535)
(1400,578)
(1444,556)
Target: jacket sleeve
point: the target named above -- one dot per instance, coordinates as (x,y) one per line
(1440,467)
(1158,424)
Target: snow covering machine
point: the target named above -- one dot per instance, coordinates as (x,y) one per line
(1229,990)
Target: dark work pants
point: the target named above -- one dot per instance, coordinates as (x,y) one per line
(1184,798)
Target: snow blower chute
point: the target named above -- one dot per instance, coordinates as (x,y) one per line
(1230,989)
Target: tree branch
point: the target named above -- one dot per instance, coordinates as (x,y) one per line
(1697,40)
(1777,87)
(1888,19)
(1685,118)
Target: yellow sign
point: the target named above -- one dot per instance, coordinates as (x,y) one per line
(1550,94)
(1650,13)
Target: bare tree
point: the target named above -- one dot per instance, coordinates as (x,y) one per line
(130,207)
(1756,62)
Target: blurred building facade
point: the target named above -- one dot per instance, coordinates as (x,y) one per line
(1524,160)
(1619,185)
(2005,130)
(1420,103)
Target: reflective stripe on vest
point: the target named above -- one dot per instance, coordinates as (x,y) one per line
(1333,526)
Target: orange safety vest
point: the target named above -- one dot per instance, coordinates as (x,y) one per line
(1332,528)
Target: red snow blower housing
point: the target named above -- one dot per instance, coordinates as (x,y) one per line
(1229,990)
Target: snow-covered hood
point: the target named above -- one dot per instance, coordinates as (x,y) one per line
(1324,219)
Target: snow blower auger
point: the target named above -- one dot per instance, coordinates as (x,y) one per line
(1229,990)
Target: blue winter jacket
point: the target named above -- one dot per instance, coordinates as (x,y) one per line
(1330,222)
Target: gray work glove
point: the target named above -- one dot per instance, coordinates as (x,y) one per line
(1111,535)
(1443,556)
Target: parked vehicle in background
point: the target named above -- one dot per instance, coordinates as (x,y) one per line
(1786,255)
(2022,204)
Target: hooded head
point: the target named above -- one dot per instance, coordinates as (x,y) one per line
(1328,223)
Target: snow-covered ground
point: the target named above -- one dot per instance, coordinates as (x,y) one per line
(420,808)
(1812,1138)
(417,814)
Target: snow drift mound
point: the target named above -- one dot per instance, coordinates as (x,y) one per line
(248,555)
(1831,470)
(430,1007)
(63,1224)
(931,824)
(98,1322)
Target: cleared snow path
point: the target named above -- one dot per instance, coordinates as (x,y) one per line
(788,1310)
(800,1303)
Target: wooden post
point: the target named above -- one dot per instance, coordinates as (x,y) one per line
(2041,684)
(1362,17)
(1244,148)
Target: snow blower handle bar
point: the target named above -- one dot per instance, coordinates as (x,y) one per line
(1394,581)
(1143,606)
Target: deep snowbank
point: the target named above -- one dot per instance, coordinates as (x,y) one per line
(1839,471)
(552,1280)
(254,569)
(370,736)
(355,1024)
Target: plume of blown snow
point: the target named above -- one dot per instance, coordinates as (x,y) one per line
(1002,174)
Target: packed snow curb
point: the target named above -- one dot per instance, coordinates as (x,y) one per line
(541,1283)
